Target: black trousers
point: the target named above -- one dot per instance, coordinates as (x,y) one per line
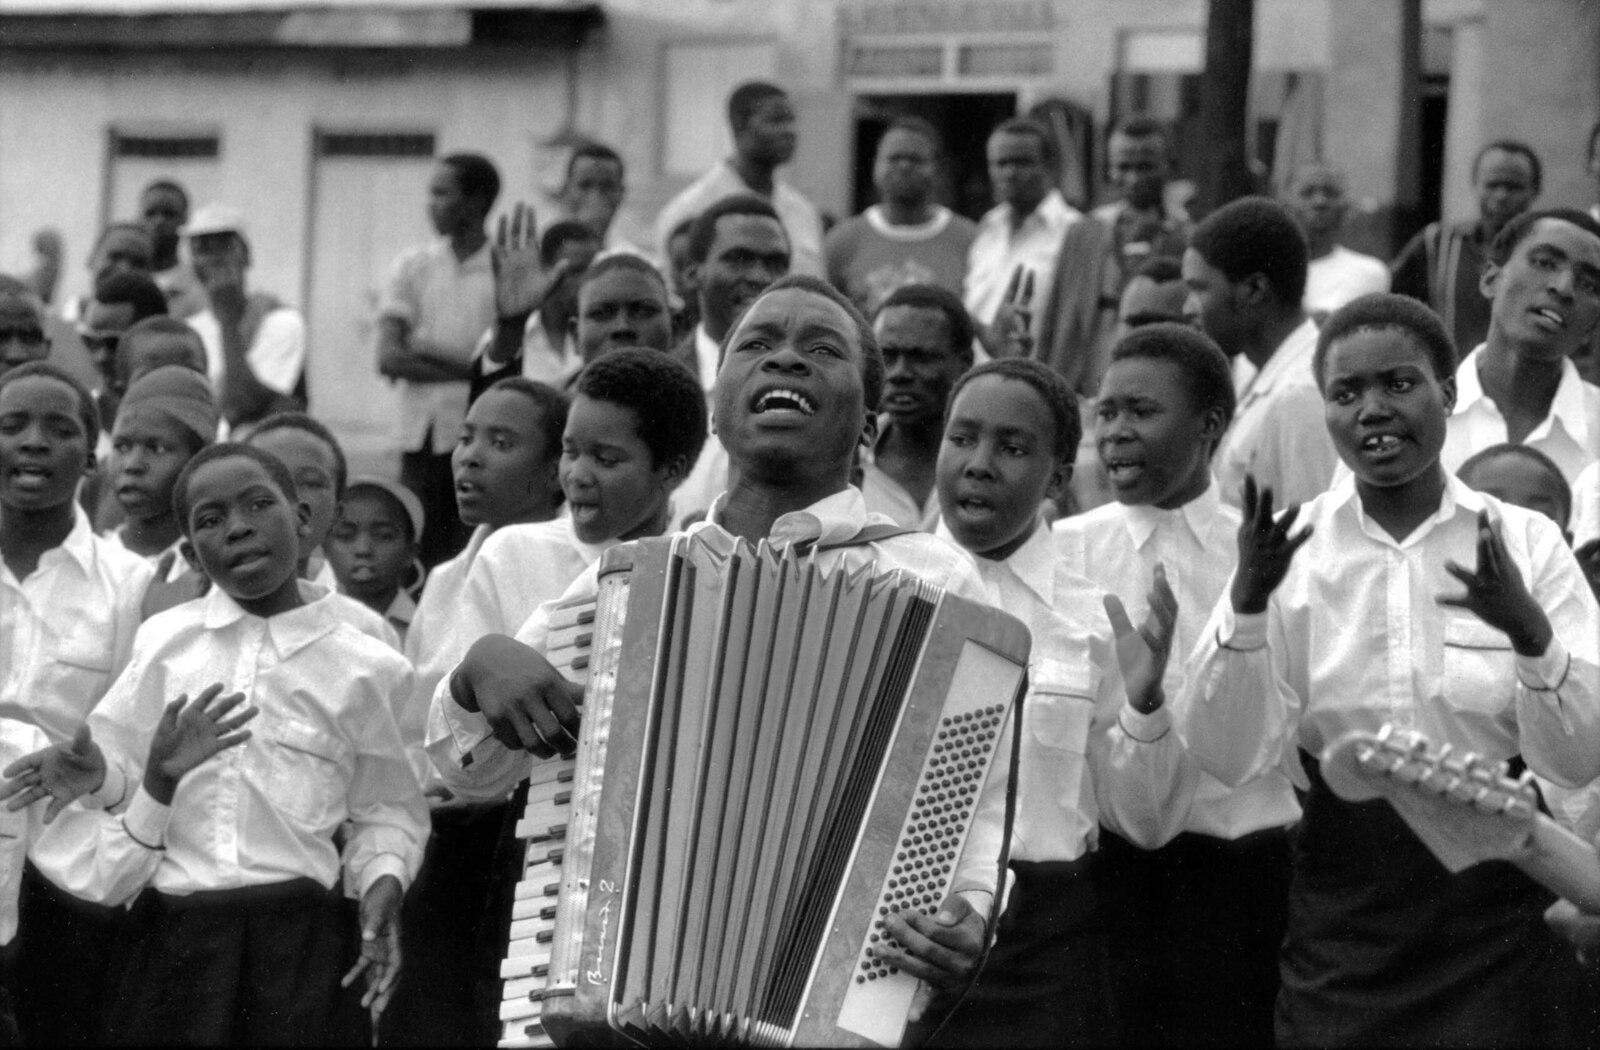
(259,965)
(1046,981)
(1195,930)
(428,474)
(63,953)
(452,935)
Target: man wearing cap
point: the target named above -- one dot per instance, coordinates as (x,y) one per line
(167,416)
(255,345)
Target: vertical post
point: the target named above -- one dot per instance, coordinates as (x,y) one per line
(1225,103)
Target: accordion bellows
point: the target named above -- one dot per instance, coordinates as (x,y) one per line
(773,758)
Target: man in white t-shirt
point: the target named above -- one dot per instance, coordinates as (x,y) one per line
(255,345)
(762,121)
(1335,274)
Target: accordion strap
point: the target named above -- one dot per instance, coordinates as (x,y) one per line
(868,534)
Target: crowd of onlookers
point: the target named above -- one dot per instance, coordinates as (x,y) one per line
(263,723)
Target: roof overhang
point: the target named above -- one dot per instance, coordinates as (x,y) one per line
(139,24)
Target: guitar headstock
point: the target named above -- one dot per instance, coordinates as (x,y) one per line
(1464,807)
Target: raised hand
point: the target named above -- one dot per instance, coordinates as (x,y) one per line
(380,945)
(1142,652)
(1265,548)
(521,282)
(526,702)
(190,733)
(941,949)
(60,773)
(1012,328)
(223,281)
(1497,595)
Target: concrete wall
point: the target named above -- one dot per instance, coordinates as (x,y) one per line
(55,112)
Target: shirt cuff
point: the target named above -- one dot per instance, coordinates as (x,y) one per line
(1242,631)
(112,792)
(1546,672)
(379,866)
(468,729)
(1145,728)
(146,821)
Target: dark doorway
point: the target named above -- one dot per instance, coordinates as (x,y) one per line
(963,121)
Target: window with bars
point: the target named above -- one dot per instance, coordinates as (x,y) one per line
(166,147)
(375,144)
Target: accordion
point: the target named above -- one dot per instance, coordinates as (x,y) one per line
(774,756)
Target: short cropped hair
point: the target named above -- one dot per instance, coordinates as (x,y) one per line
(1256,235)
(623,260)
(275,468)
(559,235)
(88,415)
(1521,149)
(314,427)
(1531,455)
(551,404)
(1516,231)
(1206,373)
(747,98)
(1162,269)
(1385,310)
(1049,384)
(136,290)
(1029,126)
(665,398)
(704,230)
(476,176)
(166,184)
(871,354)
(120,227)
(1143,126)
(594,151)
(917,126)
(935,297)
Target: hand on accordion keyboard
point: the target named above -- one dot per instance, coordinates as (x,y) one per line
(940,950)
(527,703)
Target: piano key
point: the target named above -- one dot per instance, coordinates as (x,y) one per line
(536,830)
(528,957)
(522,1033)
(534,908)
(533,887)
(522,987)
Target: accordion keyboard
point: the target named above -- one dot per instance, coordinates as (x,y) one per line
(542,827)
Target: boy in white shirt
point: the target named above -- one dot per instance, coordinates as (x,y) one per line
(1378,620)
(69,607)
(236,935)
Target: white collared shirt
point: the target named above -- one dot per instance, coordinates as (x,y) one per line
(1063,717)
(708,356)
(802,222)
(66,631)
(1586,505)
(886,496)
(437,638)
(1117,548)
(1340,276)
(1354,637)
(1569,435)
(324,749)
(1279,432)
(1001,246)
(446,303)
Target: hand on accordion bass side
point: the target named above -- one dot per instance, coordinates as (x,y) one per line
(941,949)
(528,704)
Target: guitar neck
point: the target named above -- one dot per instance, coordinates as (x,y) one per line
(1564,863)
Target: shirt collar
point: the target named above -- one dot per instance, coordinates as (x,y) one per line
(1053,208)
(402,610)
(1566,408)
(590,552)
(478,260)
(1456,498)
(707,353)
(832,519)
(1144,519)
(1033,564)
(291,630)
(79,544)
